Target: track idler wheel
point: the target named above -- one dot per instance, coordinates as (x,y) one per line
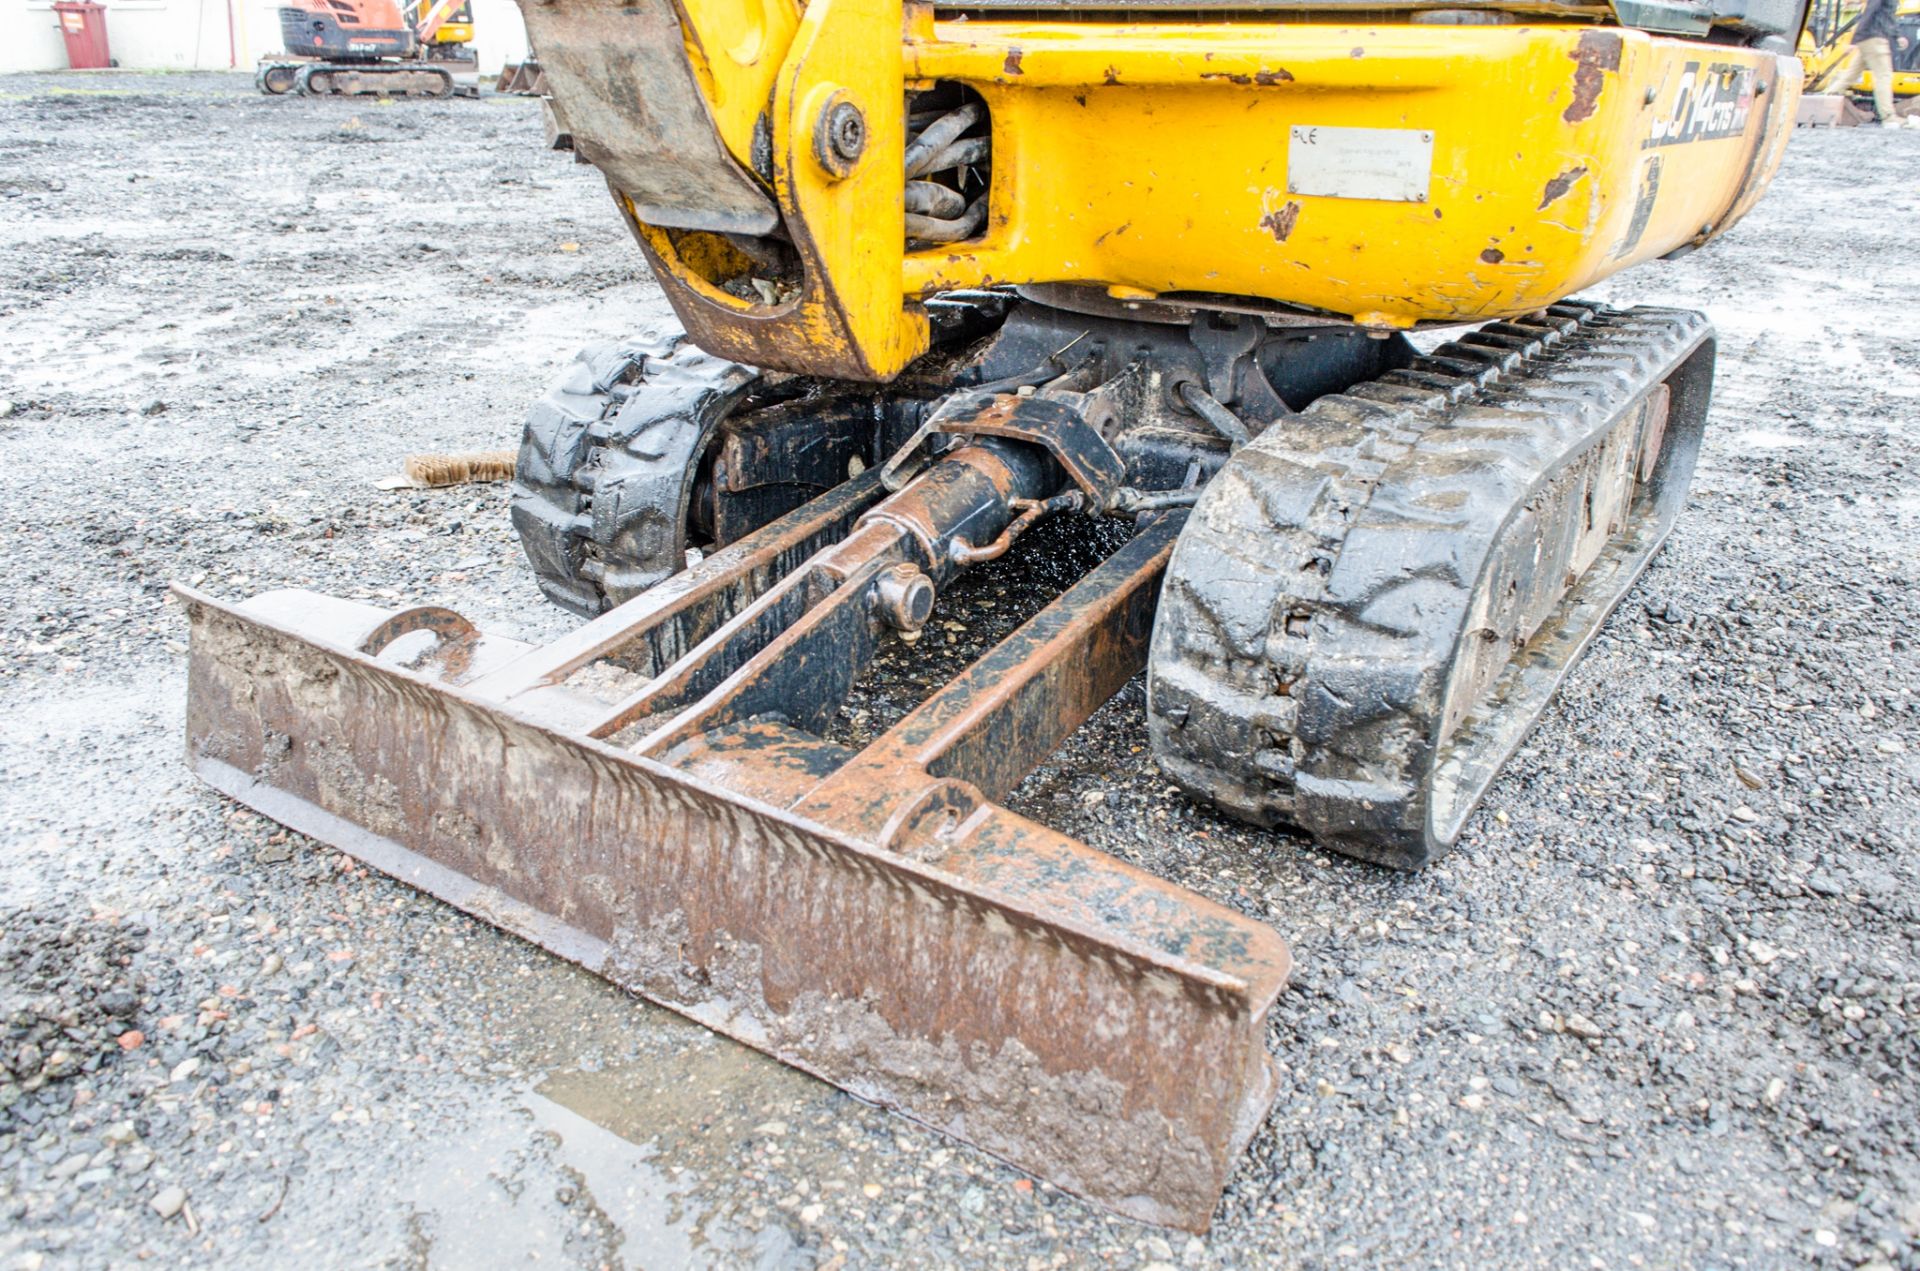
(607,466)
(275,78)
(1374,600)
(645,448)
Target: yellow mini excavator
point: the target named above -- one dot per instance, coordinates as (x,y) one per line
(1826,44)
(946,271)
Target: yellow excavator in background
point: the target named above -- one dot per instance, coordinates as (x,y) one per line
(1826,44)
(945,271)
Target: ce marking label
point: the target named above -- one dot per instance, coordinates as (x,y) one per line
(1386,164)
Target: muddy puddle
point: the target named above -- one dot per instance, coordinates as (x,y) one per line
(574,1170)
(604,1140)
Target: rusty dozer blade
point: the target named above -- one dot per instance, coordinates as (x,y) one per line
(523,79)
(653,797)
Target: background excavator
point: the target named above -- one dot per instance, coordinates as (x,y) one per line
(1828,39)
(389,48)
(944,272)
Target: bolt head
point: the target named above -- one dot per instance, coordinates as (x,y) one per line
(904,597)
(847,131)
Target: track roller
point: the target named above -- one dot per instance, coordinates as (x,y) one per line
(361,79)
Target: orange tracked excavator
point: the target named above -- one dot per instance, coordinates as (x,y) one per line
(386,48)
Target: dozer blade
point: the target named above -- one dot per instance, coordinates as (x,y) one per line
(630,798)
(523,79)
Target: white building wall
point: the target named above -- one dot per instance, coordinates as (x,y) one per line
(29,37)
(208,34)
(499,36)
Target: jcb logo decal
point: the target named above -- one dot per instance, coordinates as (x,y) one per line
(1707,105)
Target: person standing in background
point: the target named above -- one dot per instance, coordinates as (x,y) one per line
(1874,37)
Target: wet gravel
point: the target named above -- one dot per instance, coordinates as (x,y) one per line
(1657,1010)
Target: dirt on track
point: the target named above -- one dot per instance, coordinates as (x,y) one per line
(1657,1009)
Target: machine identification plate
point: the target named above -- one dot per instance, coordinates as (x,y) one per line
(1392,164)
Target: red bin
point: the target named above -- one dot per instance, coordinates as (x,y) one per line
(83,24)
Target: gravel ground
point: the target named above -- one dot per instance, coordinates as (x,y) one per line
(1656,1010)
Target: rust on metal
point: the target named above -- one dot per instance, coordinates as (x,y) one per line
(1596,53)
(453,636)
(1557,188)
(523,79)
(658,627)
(1264,78)
(1007,712)
(777,336)
(1057,426)
(1031,512)
(1280,222)
(654,796)
(635,110)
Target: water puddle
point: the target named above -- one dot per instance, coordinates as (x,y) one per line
(1769,439)
(620,1155)
(695,1102)
(576,1174)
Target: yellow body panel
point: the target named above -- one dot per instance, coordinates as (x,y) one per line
(1905,83)
(737,48)
(1152,158)
(454,33)
(847,318)
(1541,160)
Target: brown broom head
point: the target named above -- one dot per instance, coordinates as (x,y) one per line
(463,469)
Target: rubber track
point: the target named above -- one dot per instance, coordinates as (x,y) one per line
(606,466)
(306,72)
(1312,607)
